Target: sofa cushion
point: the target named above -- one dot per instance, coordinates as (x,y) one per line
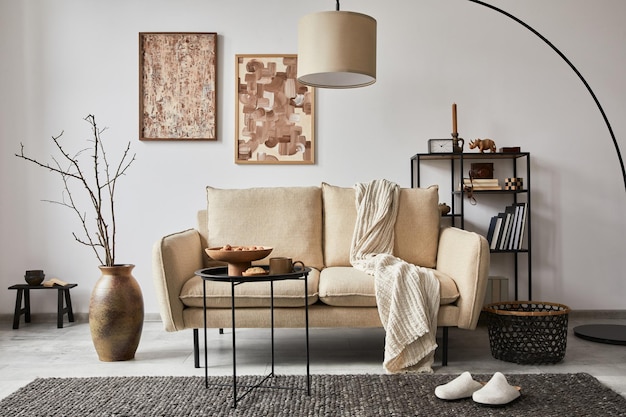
(289,219)
(416,230)
(287,293)
(448,291)
(348,287)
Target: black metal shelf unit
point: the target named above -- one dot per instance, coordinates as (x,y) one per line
(458,166)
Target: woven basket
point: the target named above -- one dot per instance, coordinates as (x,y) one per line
(527,332)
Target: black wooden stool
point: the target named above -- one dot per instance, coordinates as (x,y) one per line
(23,291)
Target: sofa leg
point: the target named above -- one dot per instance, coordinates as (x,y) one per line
(444,347)
(221,330)
(196,349)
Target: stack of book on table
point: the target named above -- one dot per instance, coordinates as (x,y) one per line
(506,230)
(477,184)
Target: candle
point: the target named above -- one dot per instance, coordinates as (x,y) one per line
(454,131)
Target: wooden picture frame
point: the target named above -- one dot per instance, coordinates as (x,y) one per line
(178,86)
(274,113)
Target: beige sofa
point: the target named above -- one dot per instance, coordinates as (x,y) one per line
(313,225)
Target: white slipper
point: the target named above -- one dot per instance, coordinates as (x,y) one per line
(462,386)
(496,392)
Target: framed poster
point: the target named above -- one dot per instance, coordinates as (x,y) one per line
(177,86)
(274,113)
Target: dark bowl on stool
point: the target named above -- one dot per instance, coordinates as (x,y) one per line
(34,277)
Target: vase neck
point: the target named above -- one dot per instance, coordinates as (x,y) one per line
(128,267)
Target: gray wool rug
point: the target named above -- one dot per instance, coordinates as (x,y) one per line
(331,395)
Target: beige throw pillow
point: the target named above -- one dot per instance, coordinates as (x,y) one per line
(416,230)
(289,219)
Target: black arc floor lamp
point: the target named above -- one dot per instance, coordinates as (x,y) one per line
(602,333)
(338,50)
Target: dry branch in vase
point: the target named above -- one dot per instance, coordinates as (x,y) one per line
(99,187)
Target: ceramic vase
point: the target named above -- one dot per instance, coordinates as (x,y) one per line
(116,313)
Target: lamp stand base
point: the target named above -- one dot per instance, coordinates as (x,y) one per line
(613,334)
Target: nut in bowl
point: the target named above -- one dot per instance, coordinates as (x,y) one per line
(239,258)
(228,253)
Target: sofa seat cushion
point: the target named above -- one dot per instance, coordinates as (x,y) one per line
(289,219)
(348,287)
(287,293)
(416,230)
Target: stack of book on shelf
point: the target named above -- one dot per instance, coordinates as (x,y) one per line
(506,230)
(478,184)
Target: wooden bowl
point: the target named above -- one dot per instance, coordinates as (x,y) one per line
(238,255)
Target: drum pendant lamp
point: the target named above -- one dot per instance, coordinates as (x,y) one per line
(337,49)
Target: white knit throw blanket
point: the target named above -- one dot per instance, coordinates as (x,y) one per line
(407,295)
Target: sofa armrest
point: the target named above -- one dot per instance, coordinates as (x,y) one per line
(175,258)
(464,256)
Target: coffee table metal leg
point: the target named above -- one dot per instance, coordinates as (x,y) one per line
(232,309)
(306,325)
(206,363)
(272,319)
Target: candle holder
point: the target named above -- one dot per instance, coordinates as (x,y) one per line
(457,148)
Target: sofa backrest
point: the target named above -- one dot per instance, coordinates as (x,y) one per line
(416,231)
(289,219)
(315,225)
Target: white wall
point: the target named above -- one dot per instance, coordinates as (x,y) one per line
(65,59)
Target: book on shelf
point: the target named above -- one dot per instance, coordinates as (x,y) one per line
(484,187)
(513,242)
(519,236)
(497,232)
(511,245)
(482,183)
(509,213)
(492,227)
(506,230)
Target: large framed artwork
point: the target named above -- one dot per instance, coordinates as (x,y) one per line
(274,113)
(177,86)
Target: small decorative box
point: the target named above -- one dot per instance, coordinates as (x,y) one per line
(481,170)
(510,149)
(514,183)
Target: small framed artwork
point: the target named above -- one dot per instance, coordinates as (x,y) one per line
(177,86)
(274,113)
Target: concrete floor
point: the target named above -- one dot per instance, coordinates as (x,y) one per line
(39,349)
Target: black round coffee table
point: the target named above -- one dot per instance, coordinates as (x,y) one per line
(613,334)
(222,274)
